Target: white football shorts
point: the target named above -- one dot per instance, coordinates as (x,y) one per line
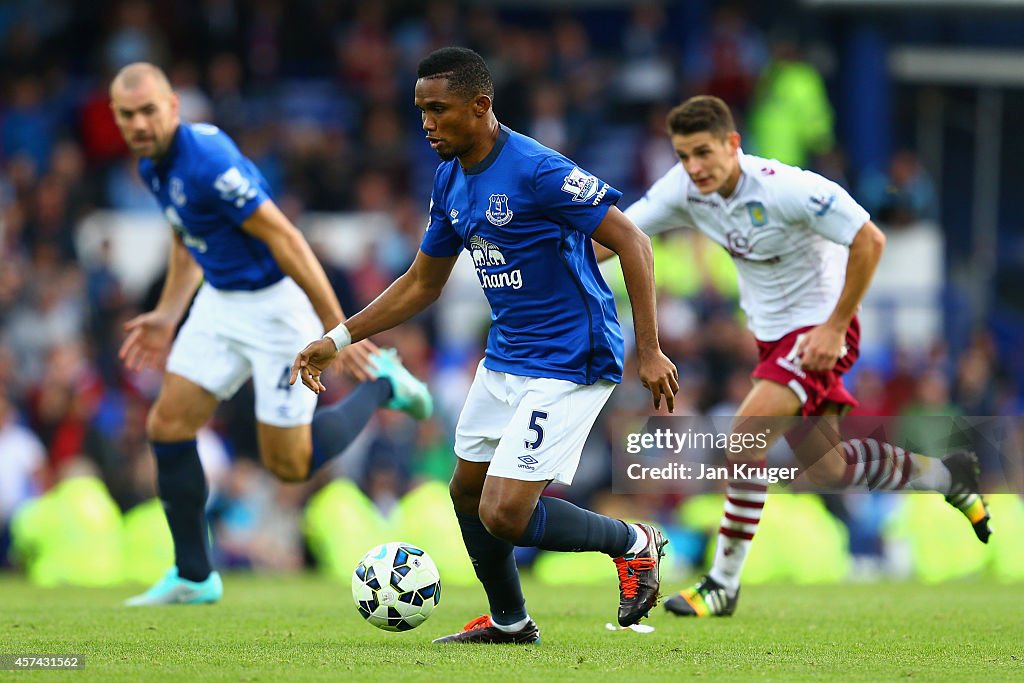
(232,335)
(528,428)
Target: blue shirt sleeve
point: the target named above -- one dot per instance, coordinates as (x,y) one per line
(573,196)
(233,186)
(440,239)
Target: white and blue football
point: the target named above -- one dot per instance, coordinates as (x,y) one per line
(396,586)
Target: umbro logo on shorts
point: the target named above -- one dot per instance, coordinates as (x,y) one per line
(528,462)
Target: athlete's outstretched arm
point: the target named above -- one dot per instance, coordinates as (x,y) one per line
(416,289)
(150,334)
(823,345)
(183,277)
(618,234)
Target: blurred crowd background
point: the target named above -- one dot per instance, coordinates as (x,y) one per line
(319,95)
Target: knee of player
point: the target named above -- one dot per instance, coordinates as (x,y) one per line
(464,500)
(503,521)
(287,468)
(163,425)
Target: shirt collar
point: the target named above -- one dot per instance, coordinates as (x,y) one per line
(172,149)
(488,161)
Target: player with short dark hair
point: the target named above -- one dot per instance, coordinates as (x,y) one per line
(261,294)
(701,115)
(526,215)
(805,253)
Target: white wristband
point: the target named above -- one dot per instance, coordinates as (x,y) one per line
(340,336)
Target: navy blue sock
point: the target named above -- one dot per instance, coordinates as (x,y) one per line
(183,493)
(495,567)
(336,426)
(557,524)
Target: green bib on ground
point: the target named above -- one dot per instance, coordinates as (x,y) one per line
(341,524)
(1005,550)
(71,535)
(798,541)
(941,545)
(939,541)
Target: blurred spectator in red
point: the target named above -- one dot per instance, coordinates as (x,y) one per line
(101,140)
(727,59)
(363,48)
(869,388)
(64,400)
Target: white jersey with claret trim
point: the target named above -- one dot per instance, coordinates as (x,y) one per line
(788,230)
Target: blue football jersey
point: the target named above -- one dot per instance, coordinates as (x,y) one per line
(525,214)
(207,189)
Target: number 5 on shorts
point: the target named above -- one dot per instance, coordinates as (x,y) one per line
(535,420)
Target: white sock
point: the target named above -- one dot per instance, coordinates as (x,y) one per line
(744,503)
(730,555)
(640,544)
(929,474)
(511,628)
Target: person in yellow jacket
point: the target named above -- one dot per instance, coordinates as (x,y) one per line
(791,118)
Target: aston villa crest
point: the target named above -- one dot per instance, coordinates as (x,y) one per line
(758,214)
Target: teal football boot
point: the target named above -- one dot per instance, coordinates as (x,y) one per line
(174,590)
(409,394)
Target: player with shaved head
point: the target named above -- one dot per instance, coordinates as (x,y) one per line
(259,293)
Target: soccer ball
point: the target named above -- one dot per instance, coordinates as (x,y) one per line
(396,586)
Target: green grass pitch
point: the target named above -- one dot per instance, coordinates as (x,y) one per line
(299,628)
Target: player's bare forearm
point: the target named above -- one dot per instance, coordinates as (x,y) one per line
(296,259)
(657,373)
(414,291)
(618,235)
(824,344)
(865,253)
(638,274)
(183,276)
